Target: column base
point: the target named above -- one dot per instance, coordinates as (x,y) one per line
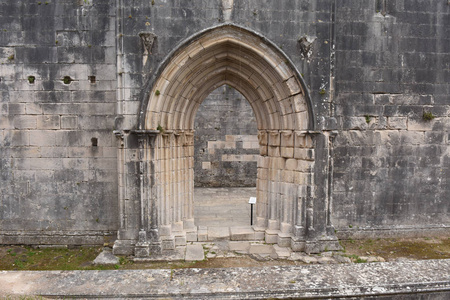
(124,247)
(142,250)
(322,246)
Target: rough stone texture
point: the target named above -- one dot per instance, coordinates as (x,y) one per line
(106,258)
(371,69)
(396,280)
(226,143)
(194,252)
(391,167)
(55,185)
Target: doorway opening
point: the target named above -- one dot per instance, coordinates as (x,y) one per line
(292,208)
(226,150)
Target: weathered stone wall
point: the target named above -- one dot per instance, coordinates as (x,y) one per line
(58,153)
(391,165)
(372,68)
(225,140)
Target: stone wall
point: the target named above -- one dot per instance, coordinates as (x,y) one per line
(226,141)
(73,71)
(391,164)
(58,103)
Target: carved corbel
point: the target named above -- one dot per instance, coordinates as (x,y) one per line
(148,39)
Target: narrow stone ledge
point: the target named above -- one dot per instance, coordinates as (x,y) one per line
(407,279)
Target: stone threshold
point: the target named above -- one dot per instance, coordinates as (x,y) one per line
(238,233)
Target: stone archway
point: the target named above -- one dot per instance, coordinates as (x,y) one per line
(255,67)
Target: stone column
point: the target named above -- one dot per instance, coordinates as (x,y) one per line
(319,232)
(148,238)
(262,209)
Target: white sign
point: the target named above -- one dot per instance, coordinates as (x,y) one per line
(252,200)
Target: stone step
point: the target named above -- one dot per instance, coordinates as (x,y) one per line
(244,233)
(194,252)
(218,233)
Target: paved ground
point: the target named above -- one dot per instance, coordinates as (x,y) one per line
(223,207)
(426,279)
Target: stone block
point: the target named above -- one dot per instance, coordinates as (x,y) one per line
(194,253)
(48,122)
(240,246)
(260,224)
(303,140)
(42,138)
(271,236)
(287,138)
(273,151)
(69,122)
(165,230)
(123,247)
(191,236)
(297,246)
(263,151)
(304,166)
(291,164)
(304,154)
(189,225)
(259,235)
(274,138)
(287,152)
(309,259)
(285,227)
(180,240)
(277,163)
(263,162)
(168,243)
(245,233)
(262,173)
(25,122)
(33,109)
(288,176)
(420,125)
(284,240)
(263,138)
(20,138)
(141,251)
(218,233)
(260,249)
(397,122)
(282,252)
(177,227)
(202,234)
(16,108)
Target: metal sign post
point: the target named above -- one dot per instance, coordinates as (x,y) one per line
(252,201)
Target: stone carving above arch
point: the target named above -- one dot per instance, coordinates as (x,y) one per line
(233,55)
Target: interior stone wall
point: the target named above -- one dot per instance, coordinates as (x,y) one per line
(225,140)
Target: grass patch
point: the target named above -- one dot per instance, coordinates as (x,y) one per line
(28,258)
(419,248)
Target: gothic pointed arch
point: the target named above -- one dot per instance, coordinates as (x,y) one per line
(227,54)
(286,187)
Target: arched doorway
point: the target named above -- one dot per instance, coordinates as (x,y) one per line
(244,60)
(226,152)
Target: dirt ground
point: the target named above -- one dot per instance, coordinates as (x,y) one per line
(29,258)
